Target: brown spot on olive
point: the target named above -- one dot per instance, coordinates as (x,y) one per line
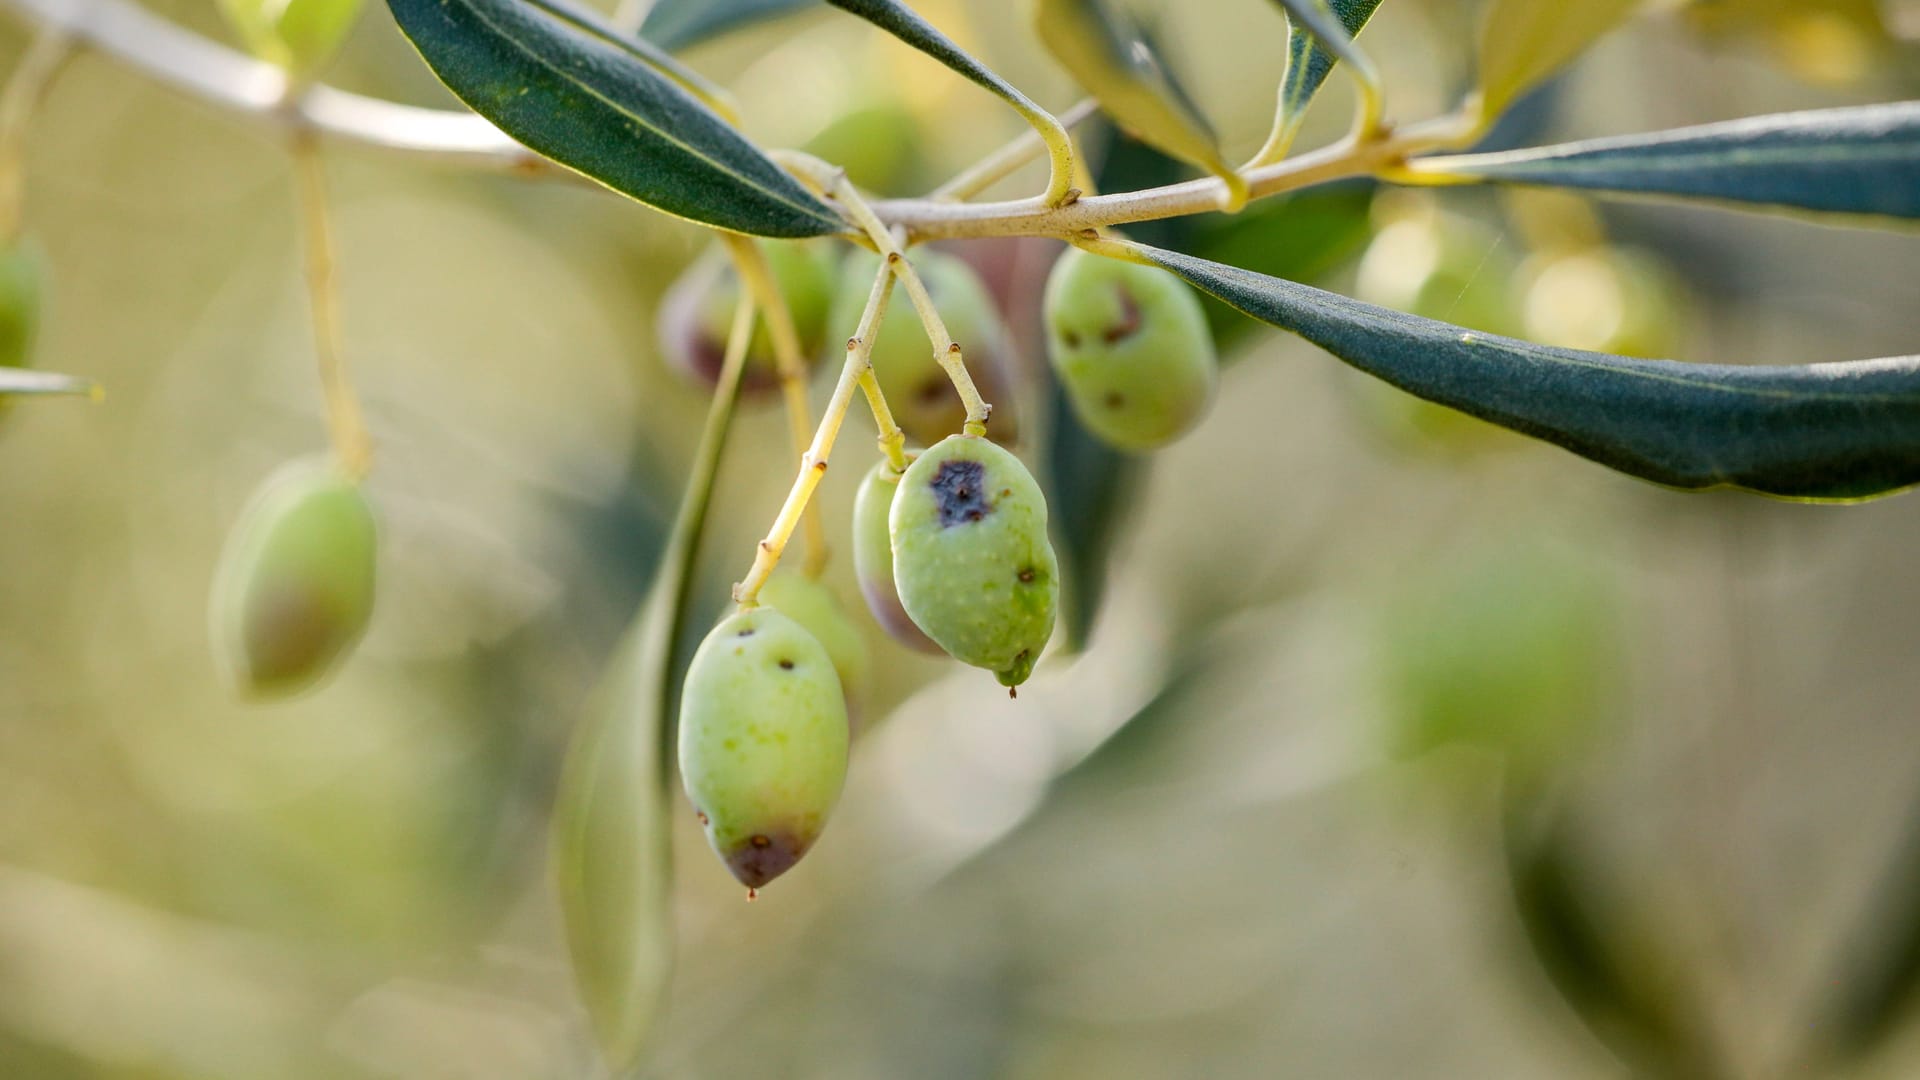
(761,842)
(1114,399)
(748,632)
(1072,338)
(1027,576)
(1129,323)
(785,664)
(957,491)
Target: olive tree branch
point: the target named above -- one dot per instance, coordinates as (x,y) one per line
(750,263)
(813,463)
(207,71)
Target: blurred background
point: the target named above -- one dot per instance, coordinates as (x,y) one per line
(1398,746)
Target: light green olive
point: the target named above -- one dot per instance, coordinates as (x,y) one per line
(971,558)
(763,741)
(1131,347)
(812,604)
(918,390)
(299,35)
(873,557)
(295,584)
(696,314)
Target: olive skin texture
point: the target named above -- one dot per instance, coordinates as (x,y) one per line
(763,742)
(873,558)
(22,295)
(1131,348)
(295,586)
(921,396)
(814,606)
(696,314)
(971,558)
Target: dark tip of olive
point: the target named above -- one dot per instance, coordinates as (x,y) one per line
(1072,339)
(1115,399)
(764,858)
(1026,576)
(785,665)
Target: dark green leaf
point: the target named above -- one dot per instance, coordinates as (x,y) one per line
(612,843)
(1878,979)
(902,22)
(681,24)
(1300,237)
(25,381)
(1862,160)
(590,103)
(1607,979)
(1309,60)
(1836,431)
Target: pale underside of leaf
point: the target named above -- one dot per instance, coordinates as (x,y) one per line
(596,108)
(1836,431)
(1522,42)
(1134,88)
(1863,160)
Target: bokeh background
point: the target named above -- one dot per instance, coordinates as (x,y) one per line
(1398,746)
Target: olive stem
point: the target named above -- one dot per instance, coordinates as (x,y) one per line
(351,443)
(1010,157)
(26,88)
(750,262)
(946,351)
(813,464)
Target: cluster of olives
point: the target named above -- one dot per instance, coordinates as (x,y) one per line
(952,552)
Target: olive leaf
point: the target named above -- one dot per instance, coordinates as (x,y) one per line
(1603,973)
(24,381)
(1862,160)
(1522,42)
(1320,35)
(612,840)
(570,89)
(1112,59)
(682,24)
(902,22)
(1834,431)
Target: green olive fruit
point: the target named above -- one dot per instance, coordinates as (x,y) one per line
(873,557)
(882,146)
(298,35)
(763,741)
(918,391)
(294,588)
(1602,299)
(812,604)
(22,288)
(1131,348)
(1512,647)
(696,314)
(975,569)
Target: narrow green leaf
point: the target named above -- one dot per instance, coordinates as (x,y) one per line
(581,98)
(682,24)
(902,22)
(1522,42)
(612,840)
(1863,160)
(1309,60)
(1839,431)
(1605,974)
(24,381)
(1109,56)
